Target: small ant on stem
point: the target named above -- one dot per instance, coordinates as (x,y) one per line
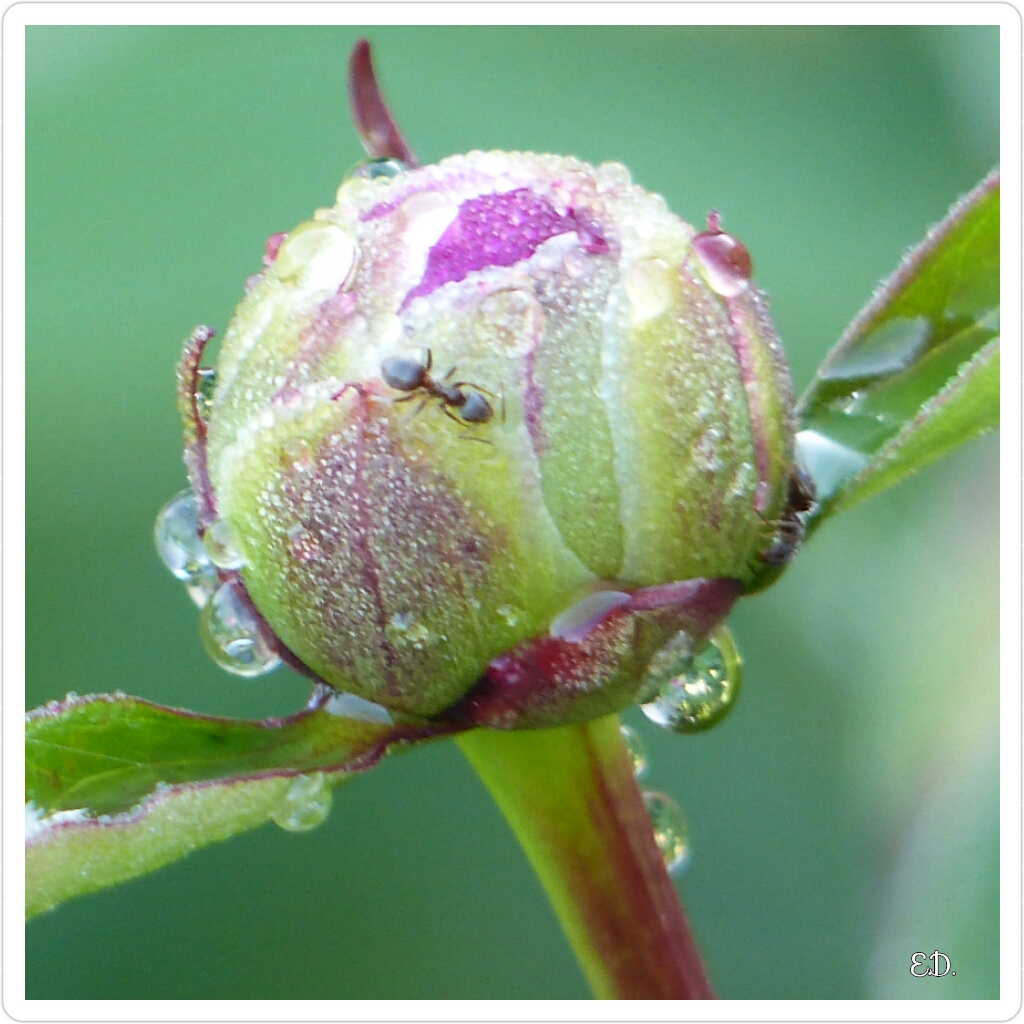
(406,373)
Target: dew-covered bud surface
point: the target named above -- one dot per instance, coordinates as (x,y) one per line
(627,418)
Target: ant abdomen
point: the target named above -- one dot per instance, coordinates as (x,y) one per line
(476,408)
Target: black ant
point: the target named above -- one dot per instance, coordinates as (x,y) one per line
(406,373)
(800,498)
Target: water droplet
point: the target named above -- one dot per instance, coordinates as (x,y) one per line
(316,256)
(829,462)
(206,385)
(223,545)
(725,261)
(670,831)
(635,749)
(687,692)
(232,637)
(305,805)
(355,192)
(376,168)
(510,321)
(299,453)
(886,350)
(404,631)
(510,614)
(402,621)
(577,621)
(302,545)
(348,705)
(612,175)
(425,216)
(273,246)
(649,289)
(180,548)
(577,263)
(289,397)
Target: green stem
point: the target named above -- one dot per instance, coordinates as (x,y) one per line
(571,799)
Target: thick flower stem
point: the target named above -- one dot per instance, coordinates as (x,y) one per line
(571,799)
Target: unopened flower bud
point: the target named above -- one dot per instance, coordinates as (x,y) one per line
(468,400)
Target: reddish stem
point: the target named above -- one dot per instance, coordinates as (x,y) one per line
(570,796)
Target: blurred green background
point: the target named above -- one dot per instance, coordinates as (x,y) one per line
(843,818)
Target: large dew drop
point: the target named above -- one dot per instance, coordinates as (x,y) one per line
(725,261)
(305,805)
(686,691)
(180,548)
(635,748)
(670,831)
(232,637)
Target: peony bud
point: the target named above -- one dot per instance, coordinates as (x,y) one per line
(488,434)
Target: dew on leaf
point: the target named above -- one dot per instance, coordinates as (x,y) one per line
(830,463)
(887,349)
(305,805)
(348,705)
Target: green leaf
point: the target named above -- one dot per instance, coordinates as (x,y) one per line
(116,786)
(917,372)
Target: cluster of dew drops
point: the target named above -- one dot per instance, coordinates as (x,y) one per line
(685,691)
(230,632)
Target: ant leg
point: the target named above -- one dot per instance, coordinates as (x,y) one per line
(408,398)
(475,387)
(357,388)
(462,423)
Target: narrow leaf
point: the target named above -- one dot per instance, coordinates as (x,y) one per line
(69,853)
(917,372)
(116,786)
